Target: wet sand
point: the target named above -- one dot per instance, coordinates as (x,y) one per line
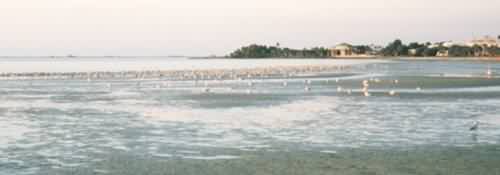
(417,160)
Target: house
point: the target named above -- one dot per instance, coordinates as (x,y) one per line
(442,53)
(412,52)
(449,44)
(342,50)
(487,41)
(435,45)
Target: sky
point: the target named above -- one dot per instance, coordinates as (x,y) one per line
(206,27)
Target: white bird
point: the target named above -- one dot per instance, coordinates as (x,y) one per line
(396,81)
(475,126)
(392,93)
(366,94)
(365,89)
(418,88)
(339,89)
(307,89)
(285,84)
(365,83)
(337,80)
(349,92)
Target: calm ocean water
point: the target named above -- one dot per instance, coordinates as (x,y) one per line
(316,124)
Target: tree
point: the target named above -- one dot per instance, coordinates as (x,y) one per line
(361,49)
(460,51)
(429,52)
(262,51)
(396,48)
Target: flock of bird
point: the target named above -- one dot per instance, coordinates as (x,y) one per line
(277,72)
(248,75)
(212,74)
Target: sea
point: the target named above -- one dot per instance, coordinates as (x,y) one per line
(371,117)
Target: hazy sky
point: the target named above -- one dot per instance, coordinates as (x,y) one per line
(202,27)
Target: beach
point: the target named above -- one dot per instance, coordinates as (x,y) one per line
(251,117)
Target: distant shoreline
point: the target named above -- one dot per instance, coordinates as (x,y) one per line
(281,58)
(374,57)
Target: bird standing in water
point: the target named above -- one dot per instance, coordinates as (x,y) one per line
(475,126)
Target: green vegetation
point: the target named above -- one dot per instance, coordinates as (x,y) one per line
(398,48)
(262,51)
(362,49)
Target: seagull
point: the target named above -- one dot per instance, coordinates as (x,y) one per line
(392,93)
(285,84)
(366,94)
(339,89)
(365,89)
(206,90)
(365,83)
(307,81)
(475,126)
(307,89)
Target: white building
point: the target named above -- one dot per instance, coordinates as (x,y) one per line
(342,50)
(487,41)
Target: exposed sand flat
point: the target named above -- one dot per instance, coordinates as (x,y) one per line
(171,68)
(145,64)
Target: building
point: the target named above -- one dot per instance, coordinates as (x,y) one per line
(434,45)
(449,44)
(487,41)
(342,50)
(412,52)
(442,53)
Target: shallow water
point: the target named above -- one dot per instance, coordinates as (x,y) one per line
(80,127)
(30,64)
